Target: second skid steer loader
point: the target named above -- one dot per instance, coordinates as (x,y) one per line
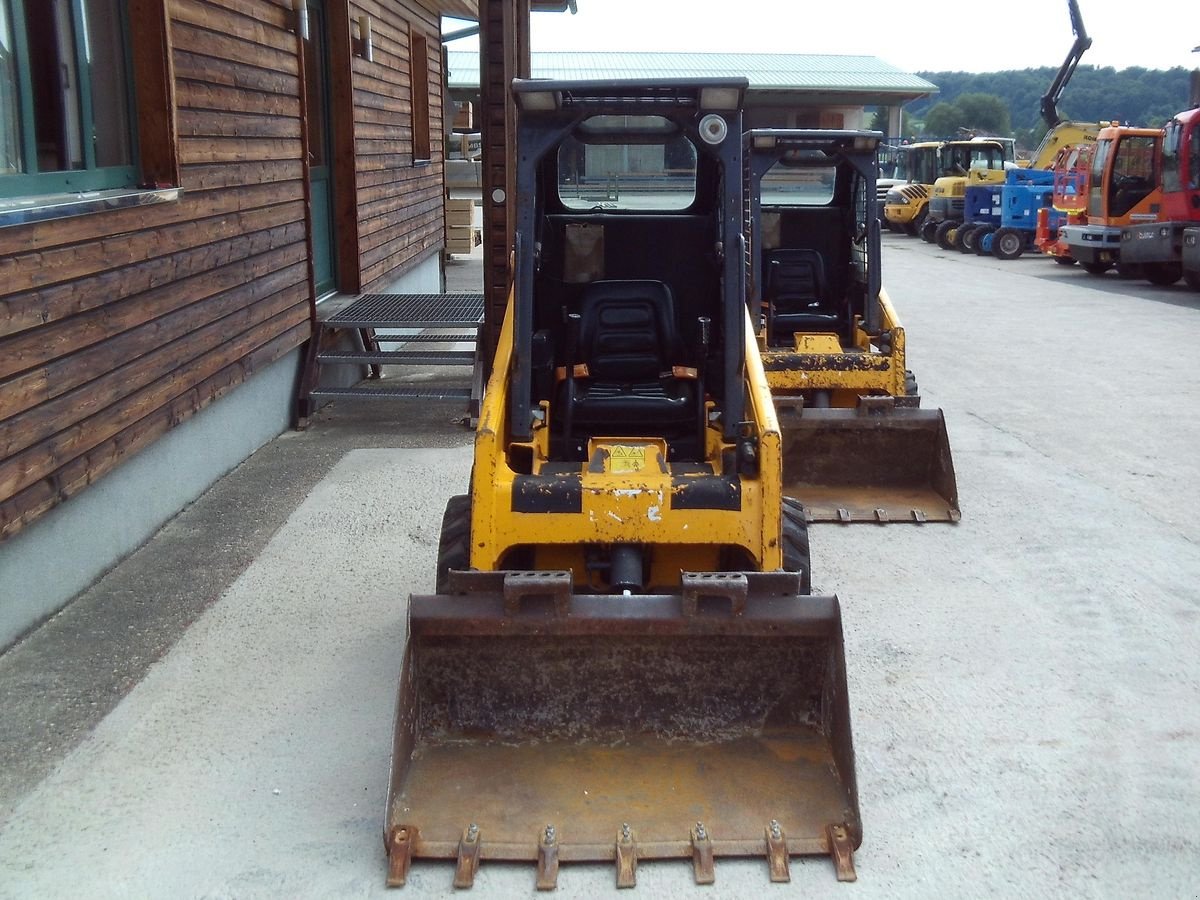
(856,445)
(623,660)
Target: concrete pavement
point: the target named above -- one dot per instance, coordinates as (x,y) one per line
(1023,685)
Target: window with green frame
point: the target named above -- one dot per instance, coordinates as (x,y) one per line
(67,121)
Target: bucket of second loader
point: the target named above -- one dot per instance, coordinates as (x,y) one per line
(874,463)
(535,724)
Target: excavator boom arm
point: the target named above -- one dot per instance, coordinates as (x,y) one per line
(1049,102)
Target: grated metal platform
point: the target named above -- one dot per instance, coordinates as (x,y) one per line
(410,311)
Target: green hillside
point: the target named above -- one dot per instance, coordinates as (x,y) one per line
(1135,95)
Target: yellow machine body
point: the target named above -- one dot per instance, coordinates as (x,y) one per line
(625,489)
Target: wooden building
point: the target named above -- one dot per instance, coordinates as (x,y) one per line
(181,181)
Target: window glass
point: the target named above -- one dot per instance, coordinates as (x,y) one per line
(315,80)
(1170,155)
(790,182)
(1096,189)
(54,82)
(1194,158)
(104,50)
(923,165)
(1133,173)
(653,173)
(10,112)
(960,159)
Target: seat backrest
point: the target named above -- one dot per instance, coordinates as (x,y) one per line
(627,331)
(795,281)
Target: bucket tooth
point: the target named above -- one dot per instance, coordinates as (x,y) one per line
(400,852)
(777,853)
(468,857)
(547,860)
(842,852)
(626,857)
(702,855)
(881,515)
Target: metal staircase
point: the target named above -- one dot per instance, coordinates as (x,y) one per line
(433,329)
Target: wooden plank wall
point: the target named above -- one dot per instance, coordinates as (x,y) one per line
(400,206)
(118,325)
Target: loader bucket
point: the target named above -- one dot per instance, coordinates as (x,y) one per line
(850,465)
(619,729)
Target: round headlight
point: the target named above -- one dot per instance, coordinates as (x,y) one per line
(713,129)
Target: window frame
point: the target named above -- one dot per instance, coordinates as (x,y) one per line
(91,177)
(154,172)
(419,84)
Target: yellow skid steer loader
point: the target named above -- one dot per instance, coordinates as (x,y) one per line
(623,660)
(856,445)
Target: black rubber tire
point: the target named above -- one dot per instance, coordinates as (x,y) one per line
(454,545)
(795,543)
(964,238)
(945,233)
(1163,274)
(915,225)
(929,232)
(1008,243)
(1096,268)
(1130,271)
(1192,279)
(1064,260)
(980,233)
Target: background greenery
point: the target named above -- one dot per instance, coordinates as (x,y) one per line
(1006,102)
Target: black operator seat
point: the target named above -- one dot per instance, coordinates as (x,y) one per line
(798,295)
(630,378)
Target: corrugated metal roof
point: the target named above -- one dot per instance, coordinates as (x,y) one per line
(766,71)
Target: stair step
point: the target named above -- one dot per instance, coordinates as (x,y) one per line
(399,357)
(464,337)
(449,392)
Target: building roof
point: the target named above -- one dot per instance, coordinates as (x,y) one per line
(792,72)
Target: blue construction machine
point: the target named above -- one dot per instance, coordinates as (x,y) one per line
(1001,218)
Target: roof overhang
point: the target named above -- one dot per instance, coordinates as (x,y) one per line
(775,79)
(457,9)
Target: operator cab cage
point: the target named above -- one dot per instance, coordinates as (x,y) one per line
(814,236)
(628,258)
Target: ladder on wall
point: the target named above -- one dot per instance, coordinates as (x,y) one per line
(415,331)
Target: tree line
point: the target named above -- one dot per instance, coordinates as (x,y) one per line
(1007,103)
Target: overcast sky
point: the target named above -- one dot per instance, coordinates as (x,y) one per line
(913,35)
